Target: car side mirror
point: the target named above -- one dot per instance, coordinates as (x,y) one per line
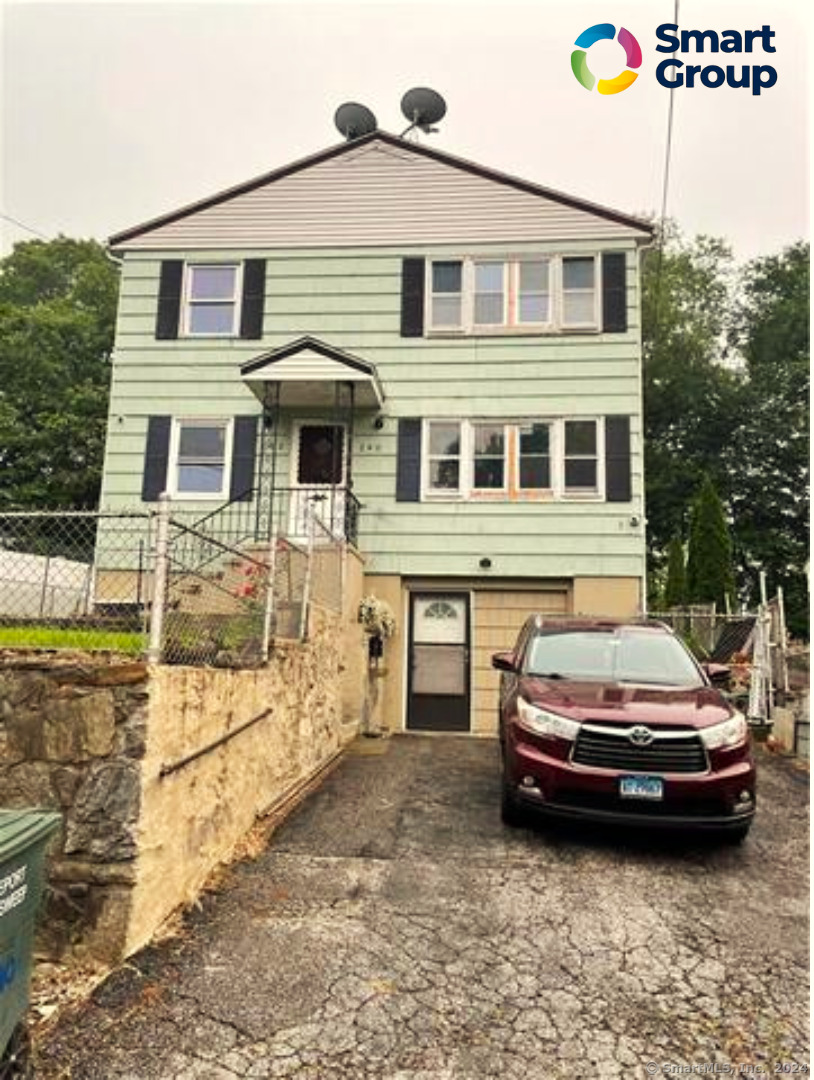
(504,661)
(718,674)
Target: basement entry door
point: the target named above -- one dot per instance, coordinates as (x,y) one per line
(438,689)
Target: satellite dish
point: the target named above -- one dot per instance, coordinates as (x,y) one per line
(423,108)
(354,120)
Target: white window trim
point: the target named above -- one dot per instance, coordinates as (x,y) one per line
(467,492)
(511,297)
(486,492)
(430,294)
(594,324)
(553,456)
(172,462)
(429,493)
(187,301)
(506,286)
(585,496)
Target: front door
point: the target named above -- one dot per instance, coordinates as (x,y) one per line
(319,477)
(438,692)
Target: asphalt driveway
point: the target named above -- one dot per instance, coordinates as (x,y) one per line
(395,929)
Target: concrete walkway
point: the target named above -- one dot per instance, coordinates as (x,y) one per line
(395,929)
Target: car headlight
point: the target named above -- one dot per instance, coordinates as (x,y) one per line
(546,723)
(731,732)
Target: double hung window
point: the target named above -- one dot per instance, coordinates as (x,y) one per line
(512,460)
(199,458)
(211,299)
(514,295)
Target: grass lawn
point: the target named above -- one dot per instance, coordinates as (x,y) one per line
(54,637)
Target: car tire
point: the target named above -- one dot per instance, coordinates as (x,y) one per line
(511,813)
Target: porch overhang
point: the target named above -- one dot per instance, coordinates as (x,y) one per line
(306,373)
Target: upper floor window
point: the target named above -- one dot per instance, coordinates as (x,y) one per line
(447,295)
(579,294)
(482,296)
(211,299)
(200,452)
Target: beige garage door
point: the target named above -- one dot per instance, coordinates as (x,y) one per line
(497,619)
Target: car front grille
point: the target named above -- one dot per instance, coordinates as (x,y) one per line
(603,746)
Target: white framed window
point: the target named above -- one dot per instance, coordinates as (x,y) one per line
(580,457)
(489,446)
(547,458)
(446,294)
(513,294)
(534,456)
(489,300)
(200,458)
(533,292)
(579,293)
(443,472)
(211,297)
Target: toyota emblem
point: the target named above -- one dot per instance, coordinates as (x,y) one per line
(640,735)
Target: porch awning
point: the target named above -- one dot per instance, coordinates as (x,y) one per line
(307,371)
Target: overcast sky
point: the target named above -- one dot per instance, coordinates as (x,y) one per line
(116,112)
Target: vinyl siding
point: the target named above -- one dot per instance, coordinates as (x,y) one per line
(379,195)
(352,301)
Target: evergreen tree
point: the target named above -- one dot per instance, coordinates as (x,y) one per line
(675,590)
(710,577)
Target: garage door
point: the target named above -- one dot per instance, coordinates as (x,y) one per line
(497,619)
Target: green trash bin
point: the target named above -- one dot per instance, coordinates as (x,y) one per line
(23,838)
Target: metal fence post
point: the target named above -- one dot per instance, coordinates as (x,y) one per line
(309,568)
(268,615)
(160,577)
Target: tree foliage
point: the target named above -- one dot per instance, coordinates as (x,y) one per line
(768,459)
(690,396)
(710,576)
(57,317)
(675,589)
(726,357)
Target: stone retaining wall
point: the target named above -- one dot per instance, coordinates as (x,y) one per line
(72,736)
(106,742)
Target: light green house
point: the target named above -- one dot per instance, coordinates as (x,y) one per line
(451,355)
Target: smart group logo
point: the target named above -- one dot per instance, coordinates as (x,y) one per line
(606,32)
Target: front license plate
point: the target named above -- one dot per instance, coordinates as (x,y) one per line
(641,787)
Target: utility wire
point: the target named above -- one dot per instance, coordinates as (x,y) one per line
(22,225)
(664,190)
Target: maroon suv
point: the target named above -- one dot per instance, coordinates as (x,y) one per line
(616,722)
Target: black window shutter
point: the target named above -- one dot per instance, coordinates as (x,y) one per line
(614,292)
(617,459)
(169,300)
(244,445)
(156,455)
(254,298)
(408,464)
(412,297)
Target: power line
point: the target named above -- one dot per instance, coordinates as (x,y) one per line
(22,225)
(664,190)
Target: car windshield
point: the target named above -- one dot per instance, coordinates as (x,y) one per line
(612,656)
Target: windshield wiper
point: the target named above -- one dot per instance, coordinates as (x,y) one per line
(546,675)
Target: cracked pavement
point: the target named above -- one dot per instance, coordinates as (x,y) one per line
(395,929)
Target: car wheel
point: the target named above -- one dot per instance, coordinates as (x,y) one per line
(510,812)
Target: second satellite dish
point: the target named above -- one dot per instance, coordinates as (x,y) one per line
(423,107)
(354,120)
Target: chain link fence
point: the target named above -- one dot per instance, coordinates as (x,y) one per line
(169,583)
(75,579)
